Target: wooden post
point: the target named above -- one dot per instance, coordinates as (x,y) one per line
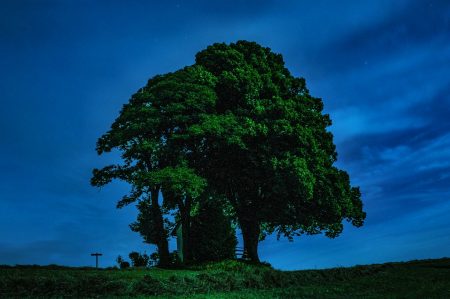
(96,258)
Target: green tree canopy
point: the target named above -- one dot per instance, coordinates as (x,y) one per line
(151,135)
(269,150)
(240,122)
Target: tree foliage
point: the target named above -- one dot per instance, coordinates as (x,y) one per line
(269,149)
(213,237)
(156,151)
(238,121)
(138,259)
(146,223)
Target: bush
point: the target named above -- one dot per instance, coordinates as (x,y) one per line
(139,260)
(122,263)
(212,235)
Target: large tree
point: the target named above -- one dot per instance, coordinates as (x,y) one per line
(151,135)
(267,148)
(239,121)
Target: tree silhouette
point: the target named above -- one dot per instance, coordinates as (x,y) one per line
(241,123)
(268,149)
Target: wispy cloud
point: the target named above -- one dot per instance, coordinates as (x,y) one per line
(382,69)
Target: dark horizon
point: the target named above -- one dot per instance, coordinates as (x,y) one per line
(381,68)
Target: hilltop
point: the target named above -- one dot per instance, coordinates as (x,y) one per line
(232,279)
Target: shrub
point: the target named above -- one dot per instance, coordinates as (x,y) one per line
(122,263)
(212,235)
(139,260)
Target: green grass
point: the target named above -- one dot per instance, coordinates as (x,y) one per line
(231,279)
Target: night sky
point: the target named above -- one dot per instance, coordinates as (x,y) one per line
(67,67)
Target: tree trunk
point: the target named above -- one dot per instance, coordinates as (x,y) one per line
(185,211)
(163,252)
(250,231)
(162,244)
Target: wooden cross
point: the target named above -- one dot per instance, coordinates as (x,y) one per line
(96,258)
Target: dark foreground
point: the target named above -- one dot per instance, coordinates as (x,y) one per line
(415,279)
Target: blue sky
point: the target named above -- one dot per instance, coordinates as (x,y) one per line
(381,67)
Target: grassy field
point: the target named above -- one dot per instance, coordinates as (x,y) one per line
(231,279)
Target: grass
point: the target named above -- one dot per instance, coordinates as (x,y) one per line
(231,279)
